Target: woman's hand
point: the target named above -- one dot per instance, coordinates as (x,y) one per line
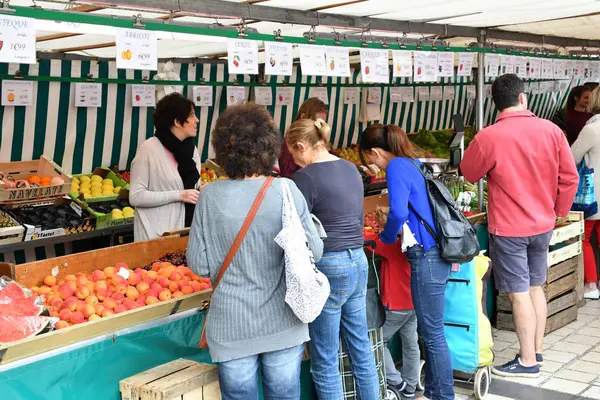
(190,196)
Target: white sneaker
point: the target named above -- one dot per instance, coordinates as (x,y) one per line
(592,294)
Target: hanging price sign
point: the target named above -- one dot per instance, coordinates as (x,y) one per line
(136,49)
(203,96)
(143,95)
(88,95)
(17,40)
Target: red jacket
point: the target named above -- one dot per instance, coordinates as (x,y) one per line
(287,165)
(531,174)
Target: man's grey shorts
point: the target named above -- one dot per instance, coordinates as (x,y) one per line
(519,262)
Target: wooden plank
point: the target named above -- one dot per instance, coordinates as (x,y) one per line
(212,391)
(131,387)
(181,382)
(573,229)
(563,285)
(561,319)
(503,302)
(560,255)
(559,270)
(562,302)
(580,280)
(197,394)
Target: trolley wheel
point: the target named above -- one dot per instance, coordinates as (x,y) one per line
(421,384)
(482,383)
(392,394)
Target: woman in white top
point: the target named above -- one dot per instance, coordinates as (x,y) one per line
(587,147)
(166,171)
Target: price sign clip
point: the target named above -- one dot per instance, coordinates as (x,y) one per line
(137,22)
(278,36)
(202,81)
(90,78)
(18,74)
(5,7)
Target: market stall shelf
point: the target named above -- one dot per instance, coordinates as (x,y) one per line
(29,180)
(564,283)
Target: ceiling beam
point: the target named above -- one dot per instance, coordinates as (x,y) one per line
(330,6)
(213,8)
(56,36)
(86,47)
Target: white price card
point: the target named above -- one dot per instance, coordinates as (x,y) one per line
(375,66)
(535,68)
(17,40)
(236,95)
(449,93)
(143,95)
(350,95)
(263,95)
(17,93)
(492,65)
(403,64)
(136,49)
(279,58)
(203,96)
(547,68)
(320,93)
(559,69)
(88,95)
(445,64)
(423,93)
(569,69)
(465,64)
(435,94)
(426,66)
(312,60)
(521,67)
(242,56)
(507,65)
(338,61)
(408,94)
(284,96)
(579,68)
(374,95)
(396,95)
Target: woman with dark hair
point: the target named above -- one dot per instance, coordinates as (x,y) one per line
(166,170)
(314,109)
(389,148)
(577,115)
(249,325)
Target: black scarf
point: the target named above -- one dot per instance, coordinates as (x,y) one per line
(183,151)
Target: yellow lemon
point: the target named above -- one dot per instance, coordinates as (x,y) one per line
(96,178)
(117,189)
(108,182)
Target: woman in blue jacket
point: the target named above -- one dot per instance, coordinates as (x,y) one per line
(389,149)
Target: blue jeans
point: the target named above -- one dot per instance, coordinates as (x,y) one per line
(428,284)
(345,314)
(280,376)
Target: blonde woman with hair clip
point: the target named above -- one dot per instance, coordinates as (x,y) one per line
(587,147)
(333,190)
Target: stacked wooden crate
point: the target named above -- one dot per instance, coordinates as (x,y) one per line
(564,285)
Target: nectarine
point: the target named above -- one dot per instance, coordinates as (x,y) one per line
(132,293)
(152,274)
(163,281)
(177,294)
(175,276)
(70,304)
(94,317)
(187,290)
(121,287)
(61,325)
(173,286)
(100,285)
(44,290)
(98,275)
(118,297)
(156,286)
(98,308)
(120,308)
(70,278)
(134,279)
(72,285)
(80,305)
(141,298)
(77,317)
(82,281)
(110,303)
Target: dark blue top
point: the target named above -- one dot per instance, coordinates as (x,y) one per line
(334,193)
(406,183)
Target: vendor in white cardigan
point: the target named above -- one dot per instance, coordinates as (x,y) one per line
(165,172)
(587,147)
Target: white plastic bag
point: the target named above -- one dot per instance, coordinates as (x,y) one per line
(307,287)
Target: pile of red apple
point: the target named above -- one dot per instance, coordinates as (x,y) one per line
(79,298)
(371,224)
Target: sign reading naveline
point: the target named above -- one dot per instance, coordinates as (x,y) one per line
(30,193)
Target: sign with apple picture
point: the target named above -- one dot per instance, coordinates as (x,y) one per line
(579,67)
(535,68)
(203,96)
(17,93)
(136,49)
(426,66)
(465,64)
(402,64)
(17,40)
(242,56)
(312,60)
(143,95)
(88,95)
(236,95)
(375,66)
(284,96)
(279,58)
(338,61)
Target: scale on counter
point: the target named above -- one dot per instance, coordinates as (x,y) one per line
(457,143)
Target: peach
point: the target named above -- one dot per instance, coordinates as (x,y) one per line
(148,280)
(72,285)
(121,265)
(80,305)
(82,281)
(204,286)
(107,313)
(134,279)
(110,303)
(153,292)
(120,309)
(91,300)
(174,286)
(152,274)
(166,265)
(156,286)
(121,287)
(142,298)
(162,281)
(140,271)
(118,279)
(129,303)
(64,314)
(50,280)
(177,294)
(176,276)
(186,279)
(70,304)
(82,293)
(94,317)
(166,272)
(57,303)
(132,293)
(155,266)
(77,317)
(151,300)
(70,278)
(98,275)
(54,314)
(142,287)
(54,288)
(196,286)
(61,325)
(187,290)
(102,294)
(88,310)
(90,286)
(100,285)
(118,297)
(164,295)
(65,291)
(184,282)
(183,270)
(35,289)
(44,290)
(98,308)
(109,272)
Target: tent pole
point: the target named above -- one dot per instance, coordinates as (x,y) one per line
(479,123)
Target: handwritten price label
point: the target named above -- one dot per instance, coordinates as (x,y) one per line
(144,56)
(17,40)
(136,49)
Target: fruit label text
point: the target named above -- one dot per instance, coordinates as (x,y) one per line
(278,59)
(403,64)
(17,40)
(338,61)
(136,49)
(17,93)
(375,66)
(312,60)
(143,95)
(426,66)
(242,56)
(88,95)
(32,193)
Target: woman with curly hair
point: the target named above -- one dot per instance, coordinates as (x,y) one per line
(249,325)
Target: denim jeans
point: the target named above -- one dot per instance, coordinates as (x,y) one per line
(404,322)
(280,376)
(428,284)
(344,315)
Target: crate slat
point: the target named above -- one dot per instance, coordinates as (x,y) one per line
(179,383)
(131,387)
(560,255)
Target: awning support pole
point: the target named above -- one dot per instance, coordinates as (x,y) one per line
(479,123)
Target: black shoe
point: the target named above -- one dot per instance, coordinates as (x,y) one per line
(407,395)
(399,387)
(539,359)
(515,369)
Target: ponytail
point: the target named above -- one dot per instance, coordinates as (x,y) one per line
(314,133)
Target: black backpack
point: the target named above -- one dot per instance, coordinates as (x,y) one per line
(456,237)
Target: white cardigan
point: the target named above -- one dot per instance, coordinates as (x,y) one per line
(156,191)
(587,146)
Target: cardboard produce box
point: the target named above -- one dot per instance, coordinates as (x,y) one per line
(106,220)
(104,173)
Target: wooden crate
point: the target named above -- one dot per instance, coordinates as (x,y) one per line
(11,234)
(135,255)
(180,379)
(19,170)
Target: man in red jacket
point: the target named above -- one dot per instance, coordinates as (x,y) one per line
(532,179)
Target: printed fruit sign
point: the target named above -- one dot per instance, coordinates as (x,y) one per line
(374,95)
(507,65)
(492,65)
(402,64)
(338,61)
(236,95)
(350,95)
(465,64)
(320,93)
(408,94)
(88,95)
(143,95)
(426,66)
(17,93)
(312,60)
(17,44)
(263,95)
(136,49)
(521,67)
(445,64)
(375,66)
(535,68)
(203,96)
(279,58)
(242,56)
(284,96)
(423,93)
